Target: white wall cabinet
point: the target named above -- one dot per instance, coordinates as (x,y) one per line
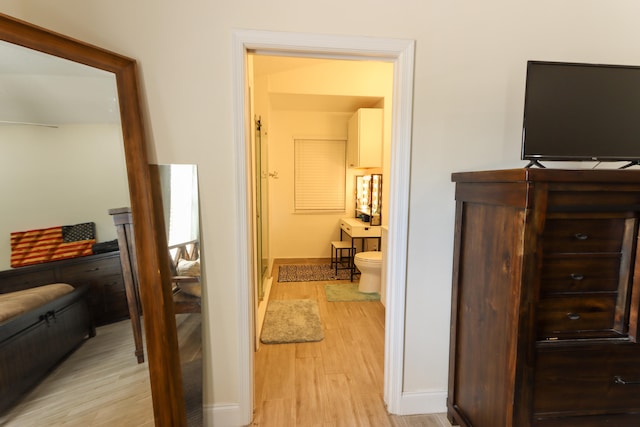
(364,145)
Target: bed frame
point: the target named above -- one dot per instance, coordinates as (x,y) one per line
(33,343)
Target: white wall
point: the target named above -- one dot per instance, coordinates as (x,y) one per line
(300,235)
(60,176)
(469,85)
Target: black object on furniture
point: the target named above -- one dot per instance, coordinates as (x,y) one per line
(545,301)
(575,111)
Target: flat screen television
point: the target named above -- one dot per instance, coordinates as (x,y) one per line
(581,112)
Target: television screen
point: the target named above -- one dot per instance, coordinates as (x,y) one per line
(581,112)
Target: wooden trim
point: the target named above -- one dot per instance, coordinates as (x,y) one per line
(159,321)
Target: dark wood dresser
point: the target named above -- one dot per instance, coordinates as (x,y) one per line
(546,289)
(102,272)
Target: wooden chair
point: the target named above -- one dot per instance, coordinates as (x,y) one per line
(186,287)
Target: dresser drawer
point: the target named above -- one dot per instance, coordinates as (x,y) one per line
(107,298)
(565,201)
(576,316)
(25,280)
(356,228)
(580,273)
(587,380)
(581,235)
(91,270)
(613,420)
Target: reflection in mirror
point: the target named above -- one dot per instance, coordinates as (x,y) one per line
(178,186)
(62,164)
(62,156)
(162,376)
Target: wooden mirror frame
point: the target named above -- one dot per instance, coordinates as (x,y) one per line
(155,290)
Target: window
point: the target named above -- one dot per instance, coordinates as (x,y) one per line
(183,204)
(319,175)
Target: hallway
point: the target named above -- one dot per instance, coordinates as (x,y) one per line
(335,382)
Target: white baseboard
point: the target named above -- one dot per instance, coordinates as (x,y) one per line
(262,310)
(411,403)
(423,402)
(223,415)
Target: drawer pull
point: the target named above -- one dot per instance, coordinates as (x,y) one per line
(619,380)
(575,276)
(573,316)
(581,236)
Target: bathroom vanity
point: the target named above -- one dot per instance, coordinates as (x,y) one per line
(355,228)
(368,263)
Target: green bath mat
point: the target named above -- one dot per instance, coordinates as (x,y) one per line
(291,321)
(348,292)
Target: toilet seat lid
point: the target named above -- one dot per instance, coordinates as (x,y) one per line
(369,256)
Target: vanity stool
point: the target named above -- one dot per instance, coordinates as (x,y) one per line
(338,257)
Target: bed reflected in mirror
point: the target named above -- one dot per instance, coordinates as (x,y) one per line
(177,185)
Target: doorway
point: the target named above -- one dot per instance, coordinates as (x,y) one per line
(303,102)
(401,53)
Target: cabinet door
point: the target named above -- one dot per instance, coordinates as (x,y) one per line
(352,142)
(364,145)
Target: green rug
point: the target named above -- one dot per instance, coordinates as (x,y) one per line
(348,292)
(291,321)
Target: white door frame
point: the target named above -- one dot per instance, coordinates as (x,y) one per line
(401,53)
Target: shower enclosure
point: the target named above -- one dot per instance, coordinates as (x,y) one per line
(262,209)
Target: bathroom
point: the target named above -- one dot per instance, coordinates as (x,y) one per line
(301,99)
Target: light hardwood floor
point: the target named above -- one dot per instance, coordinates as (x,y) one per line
(101,383)
(335,382)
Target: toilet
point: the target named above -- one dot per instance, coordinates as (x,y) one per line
(369,264)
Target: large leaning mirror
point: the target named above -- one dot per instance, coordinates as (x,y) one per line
(154,272)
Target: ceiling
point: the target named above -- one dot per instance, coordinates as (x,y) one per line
(323,103)
(40,89)
(271,64)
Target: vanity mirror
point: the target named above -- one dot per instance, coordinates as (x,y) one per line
(154,275)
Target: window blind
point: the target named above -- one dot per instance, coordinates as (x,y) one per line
(183,207)
(319,175)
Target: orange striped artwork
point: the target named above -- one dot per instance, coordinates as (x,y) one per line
(43,245)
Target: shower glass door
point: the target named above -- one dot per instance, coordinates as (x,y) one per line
(262,208)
